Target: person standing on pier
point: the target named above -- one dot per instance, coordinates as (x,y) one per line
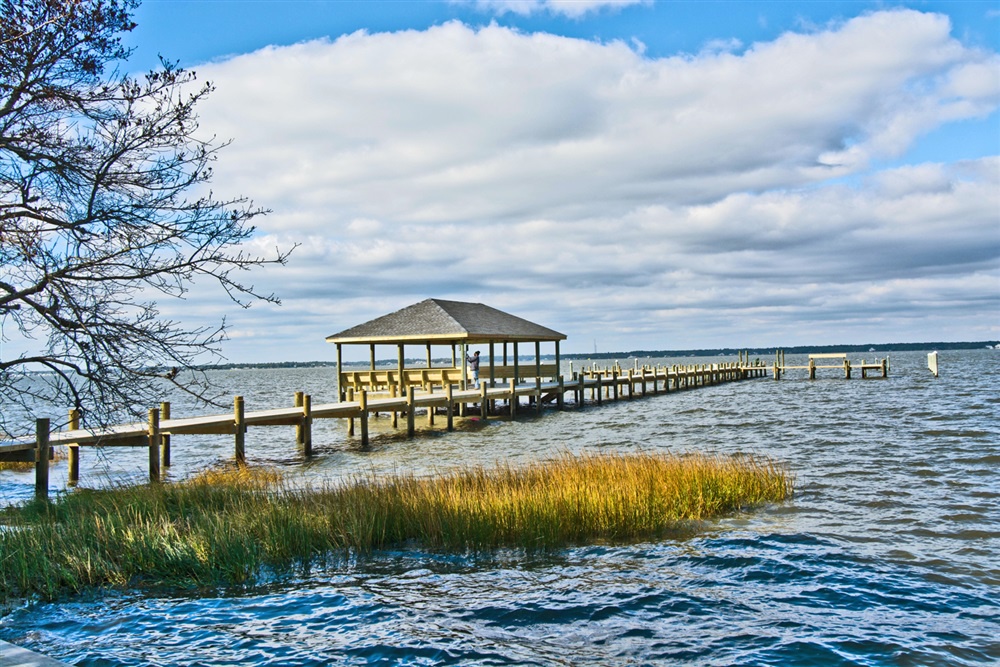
(474,367)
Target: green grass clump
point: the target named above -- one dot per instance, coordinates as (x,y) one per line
(225,527)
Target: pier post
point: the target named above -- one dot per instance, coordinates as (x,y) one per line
(600,388)
(538,395)
(560,397)
(165,438)
(363,405)
(410,427)
(299,428)
(42,459)
(847,369)
(631,384)
(307,424)
(450,410)
(154,445)
(513,397)
(393,392)
(812,369)
(614,382)
(582,390)
(74,449)
(430,408)
(484,407)
(241,430)
(350,420)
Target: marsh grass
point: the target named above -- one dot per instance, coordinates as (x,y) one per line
(227,527)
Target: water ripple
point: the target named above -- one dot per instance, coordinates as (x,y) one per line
(887,555)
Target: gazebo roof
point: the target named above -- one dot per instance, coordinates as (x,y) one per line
(441,321)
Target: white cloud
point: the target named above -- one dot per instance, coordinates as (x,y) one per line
(570,181)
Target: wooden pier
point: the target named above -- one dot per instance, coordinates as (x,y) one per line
(834,360)
(594,385)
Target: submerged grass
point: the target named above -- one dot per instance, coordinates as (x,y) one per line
(225,527)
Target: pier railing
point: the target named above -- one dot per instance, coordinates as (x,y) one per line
(590,384)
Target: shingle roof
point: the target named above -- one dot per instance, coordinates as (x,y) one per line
(445,321)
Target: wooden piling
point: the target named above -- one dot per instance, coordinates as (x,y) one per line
(350,420)
(410,426)
(165,437)
(394,393)
(307,420)
(513,397)
(430,408)
(363,406)
(449,396)
(300,434)
(42,459)
(154,445)
(239,421)
(484,408)
(560,397)
(74,449)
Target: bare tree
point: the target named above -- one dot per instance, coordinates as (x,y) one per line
(103,206)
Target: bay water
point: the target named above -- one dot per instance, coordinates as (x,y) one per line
(887,554)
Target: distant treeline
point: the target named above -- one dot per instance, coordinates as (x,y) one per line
(792,349)
(708,352)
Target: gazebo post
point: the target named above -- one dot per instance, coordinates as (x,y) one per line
(558,367)
(492,377)
(428,355)
(463,383)
(400,363)
(538,358)
(516,378)
(340,372)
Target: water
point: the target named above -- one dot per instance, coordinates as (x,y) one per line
(888,554)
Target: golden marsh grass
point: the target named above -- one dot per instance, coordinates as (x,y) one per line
(226,527)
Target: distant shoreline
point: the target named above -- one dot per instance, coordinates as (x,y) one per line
(707,352)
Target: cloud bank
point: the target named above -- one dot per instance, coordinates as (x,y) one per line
(720,199)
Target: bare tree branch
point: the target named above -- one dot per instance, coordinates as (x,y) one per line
(102,207)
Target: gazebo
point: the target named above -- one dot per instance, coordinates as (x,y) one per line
(457,324)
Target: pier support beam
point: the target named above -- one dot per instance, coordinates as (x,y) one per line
(74,449)
(449,396)
(363,405)
(410,426)
(154,445)
(42,459)
(241,430)
(165,438)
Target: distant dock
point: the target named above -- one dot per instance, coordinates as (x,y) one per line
(879,368)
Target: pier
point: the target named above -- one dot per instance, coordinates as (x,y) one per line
(879,368)
(518,396)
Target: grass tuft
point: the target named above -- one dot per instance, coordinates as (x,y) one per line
(225,527)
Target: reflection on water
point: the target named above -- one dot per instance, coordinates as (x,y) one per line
(889,552)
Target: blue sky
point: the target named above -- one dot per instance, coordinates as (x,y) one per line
(638,175)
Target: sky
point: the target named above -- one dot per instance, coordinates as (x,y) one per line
(638,175)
